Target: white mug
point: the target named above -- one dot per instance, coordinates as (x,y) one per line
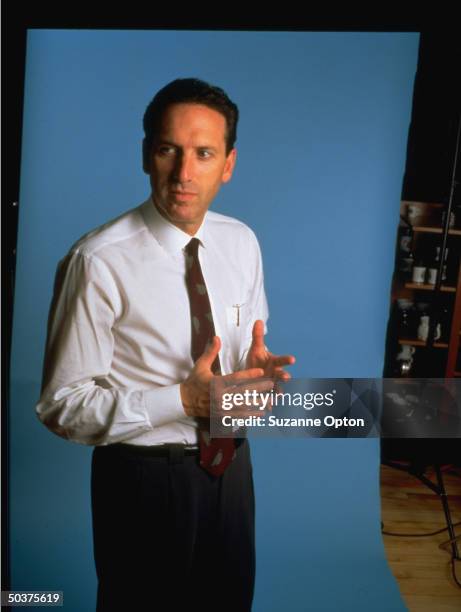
(406,353)
(419,274)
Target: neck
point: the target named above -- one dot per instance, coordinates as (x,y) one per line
(190,228)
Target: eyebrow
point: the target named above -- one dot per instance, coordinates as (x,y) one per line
(173,144)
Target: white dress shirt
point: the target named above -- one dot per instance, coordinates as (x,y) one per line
(119,335)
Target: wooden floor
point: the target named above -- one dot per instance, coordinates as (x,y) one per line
(422,569)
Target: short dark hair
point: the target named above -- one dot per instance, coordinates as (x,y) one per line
(194,91)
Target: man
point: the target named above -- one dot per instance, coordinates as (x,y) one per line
(147,310)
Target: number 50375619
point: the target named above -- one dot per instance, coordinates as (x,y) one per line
(34,598)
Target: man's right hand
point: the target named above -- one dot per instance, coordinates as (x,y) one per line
(195,390)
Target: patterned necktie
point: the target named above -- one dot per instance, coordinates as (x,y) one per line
(215,453)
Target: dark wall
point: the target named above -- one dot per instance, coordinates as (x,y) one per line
(428,177)
(435,117)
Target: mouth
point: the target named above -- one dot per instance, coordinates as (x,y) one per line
(183,196)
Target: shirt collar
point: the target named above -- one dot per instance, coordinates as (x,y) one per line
(170,237)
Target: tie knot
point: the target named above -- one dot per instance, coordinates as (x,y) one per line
(192,247)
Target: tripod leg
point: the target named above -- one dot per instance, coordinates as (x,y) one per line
(446,508)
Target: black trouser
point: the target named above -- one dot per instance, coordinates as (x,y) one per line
(169,536)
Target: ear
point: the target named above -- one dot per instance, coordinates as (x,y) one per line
(229,165)
(145,157)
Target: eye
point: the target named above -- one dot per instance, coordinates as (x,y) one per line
(165,150)
(204,153)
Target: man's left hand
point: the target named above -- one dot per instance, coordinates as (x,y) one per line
(260,357)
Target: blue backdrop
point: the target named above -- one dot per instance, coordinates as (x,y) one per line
(321,152)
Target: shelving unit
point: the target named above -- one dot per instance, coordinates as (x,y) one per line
(435,230)
(404,342)
(425,220)
(423,287)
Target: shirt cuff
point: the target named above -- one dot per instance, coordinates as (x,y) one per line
(163,405)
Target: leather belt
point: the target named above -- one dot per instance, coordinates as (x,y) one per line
(158,450)
(173,452)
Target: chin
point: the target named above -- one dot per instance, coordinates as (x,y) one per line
(180,215)
(183,218)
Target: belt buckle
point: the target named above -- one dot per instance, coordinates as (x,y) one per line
(176,453)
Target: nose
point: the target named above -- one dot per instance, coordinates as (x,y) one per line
(183,169)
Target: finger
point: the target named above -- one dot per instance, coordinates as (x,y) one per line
(209,354)
(258,334)
(225,382)
(282,374)
(281,360)
(251,385)
(242,374)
